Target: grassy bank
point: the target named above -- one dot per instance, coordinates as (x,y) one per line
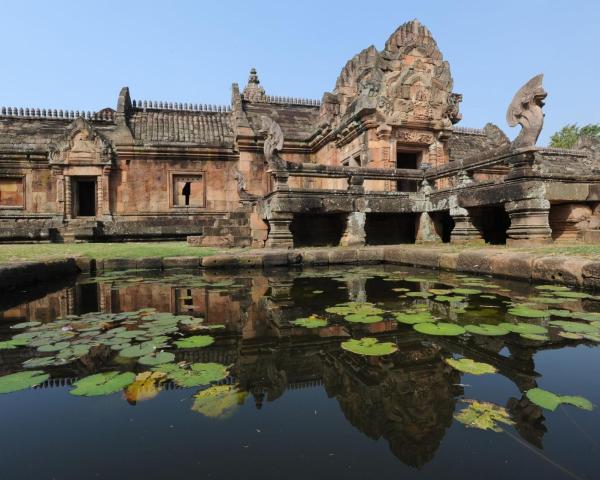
(16,252)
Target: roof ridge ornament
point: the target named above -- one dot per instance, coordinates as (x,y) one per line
(253,92)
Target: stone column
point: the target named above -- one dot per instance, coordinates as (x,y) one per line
(528,222)
(426,229)
(354,234)
(68,198)
(280,235)
(464,229)
(104,194)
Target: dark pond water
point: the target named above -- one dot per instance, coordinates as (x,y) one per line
(228,387)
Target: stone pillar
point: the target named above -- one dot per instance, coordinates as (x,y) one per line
(354,234)
(280,181)
(528,222)
(426,229)
(68,198)
(464,229)
(280,235)
(104,194)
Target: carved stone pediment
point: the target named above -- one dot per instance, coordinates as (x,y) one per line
(407,82)
(81,145)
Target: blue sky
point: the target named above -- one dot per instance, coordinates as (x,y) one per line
(77,55)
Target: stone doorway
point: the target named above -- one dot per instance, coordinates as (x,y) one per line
(317,230)
(407,160)
(492,222)
(84,197)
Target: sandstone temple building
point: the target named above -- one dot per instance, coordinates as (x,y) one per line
(379,159)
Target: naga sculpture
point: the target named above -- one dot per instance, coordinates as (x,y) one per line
(273,143)
(526,110)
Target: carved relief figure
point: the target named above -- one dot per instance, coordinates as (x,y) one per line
(526,110)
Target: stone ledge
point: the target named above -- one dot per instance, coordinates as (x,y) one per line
(18,275)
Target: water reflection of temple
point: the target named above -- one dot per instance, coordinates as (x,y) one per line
(407,399)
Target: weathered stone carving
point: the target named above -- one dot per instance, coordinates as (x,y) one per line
(245,196)
(526,110)
(253,91)
(408,82)
(82,144)
(273,142)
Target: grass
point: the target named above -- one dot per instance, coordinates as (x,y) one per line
(16,252)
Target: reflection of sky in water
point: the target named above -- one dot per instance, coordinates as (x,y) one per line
(324,413)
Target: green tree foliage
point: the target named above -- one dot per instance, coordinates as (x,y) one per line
(567,136)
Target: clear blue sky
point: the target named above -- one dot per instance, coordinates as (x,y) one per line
(77,55)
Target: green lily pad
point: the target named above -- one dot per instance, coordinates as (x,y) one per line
(193,375)
(467,365)
(12,344)
(419,294)
(570,335)
(136,351)
(466,291)
(528,312)
(545,300)
(439,329)
(157,358)
(572,294)
(488,330)
(39,362)
(363,318)
(22,380)
(401,289)
(25,325)
(197,341)
(551,401)
(526,328)
(412,318)
(574,327)
(535,336)
(369,346)
(445,298)
(440,291)
(552,288)
(103,383)
(53,347)
(310,322)
(484,416)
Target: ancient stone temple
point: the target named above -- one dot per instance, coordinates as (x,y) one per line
(377,160)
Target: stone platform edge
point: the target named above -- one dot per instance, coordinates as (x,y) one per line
(530,267)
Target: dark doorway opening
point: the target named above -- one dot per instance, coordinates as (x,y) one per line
(317,230)
(87,298)
(408,160)
(390,228)
(85,198)
(443,225)
(186,192)
(493,223)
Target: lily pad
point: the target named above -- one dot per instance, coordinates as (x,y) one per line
(197,341)
(157,358)
(22,380)
(488,330)
(412,318)
(363,318)
(467,365)
(219,401)
(528,312)
(419,294)
(136,351)
(552,288)
(369,346)
(535,336)
(310,322)
(25,325)
(193,375)
(439,329)
(551,401)
(576,295)
(39,362)
(527,328)
(466,291)
(145,387)
(12,344)
(574,327)
(484,416)
(103,383)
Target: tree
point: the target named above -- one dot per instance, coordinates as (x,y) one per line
(567,136)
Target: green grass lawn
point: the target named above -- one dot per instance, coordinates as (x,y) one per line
(15,252)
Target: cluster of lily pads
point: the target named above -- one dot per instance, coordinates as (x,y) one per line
(530,318)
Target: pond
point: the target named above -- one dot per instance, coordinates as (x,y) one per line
(355,372)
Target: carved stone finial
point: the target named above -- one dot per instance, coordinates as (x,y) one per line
(253,91)
(526,110)
(273,142)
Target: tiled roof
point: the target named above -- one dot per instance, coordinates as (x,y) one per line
(174,126)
